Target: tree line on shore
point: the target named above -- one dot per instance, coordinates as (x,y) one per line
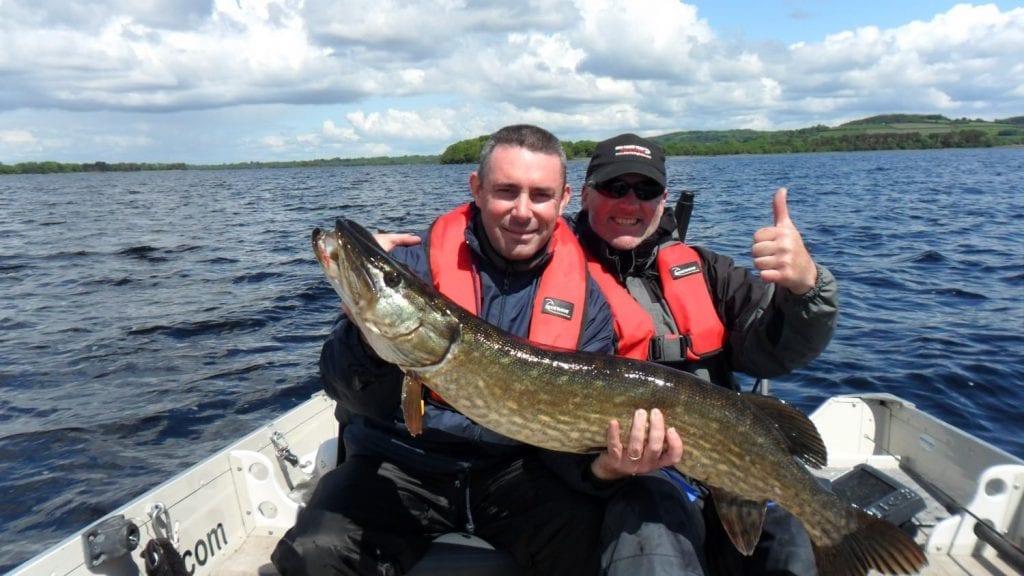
(885,132)
(49,167)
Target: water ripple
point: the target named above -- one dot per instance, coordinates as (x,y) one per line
(186,309)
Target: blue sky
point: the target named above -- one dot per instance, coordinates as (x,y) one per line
(210,81)
(793,21)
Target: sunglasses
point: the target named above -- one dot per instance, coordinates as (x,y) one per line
(645,190)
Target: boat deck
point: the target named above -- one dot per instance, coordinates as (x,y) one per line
(226,514)
(966,484)
(925,522)
(254,556)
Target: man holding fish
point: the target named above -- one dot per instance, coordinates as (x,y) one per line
(695,310)
(556,400)
(511,259)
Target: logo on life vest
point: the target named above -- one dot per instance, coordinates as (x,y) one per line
(683,270)
(557,307)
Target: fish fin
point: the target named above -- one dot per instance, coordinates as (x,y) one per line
(412,404)
(875,544)
(800,434)
(741,517)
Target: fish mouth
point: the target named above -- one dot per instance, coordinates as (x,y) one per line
(357,247)
(350,258)
(345,263)
(366,244)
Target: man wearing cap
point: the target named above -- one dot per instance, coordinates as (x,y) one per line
(692,309)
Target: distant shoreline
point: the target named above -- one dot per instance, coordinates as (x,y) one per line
(886,132)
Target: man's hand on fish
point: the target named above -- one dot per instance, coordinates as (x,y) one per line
(779,251)
(649,446)
(389,240)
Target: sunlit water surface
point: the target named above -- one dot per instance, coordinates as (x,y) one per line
(149,319)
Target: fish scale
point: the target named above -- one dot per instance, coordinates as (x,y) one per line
(746,450)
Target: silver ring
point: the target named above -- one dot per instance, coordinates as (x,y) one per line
(634,459)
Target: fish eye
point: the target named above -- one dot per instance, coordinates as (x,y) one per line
(392,279)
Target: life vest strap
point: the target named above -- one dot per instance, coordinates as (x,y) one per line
(669,348)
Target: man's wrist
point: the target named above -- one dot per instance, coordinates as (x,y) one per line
(812,292)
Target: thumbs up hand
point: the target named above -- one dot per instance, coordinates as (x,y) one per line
(779,251)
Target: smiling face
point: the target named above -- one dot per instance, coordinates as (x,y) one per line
(520,199)
(623,222)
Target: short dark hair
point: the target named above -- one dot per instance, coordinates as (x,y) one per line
(532,138)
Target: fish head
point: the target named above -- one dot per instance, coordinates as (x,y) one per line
(398,314)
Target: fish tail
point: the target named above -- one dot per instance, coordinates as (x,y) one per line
(875,544)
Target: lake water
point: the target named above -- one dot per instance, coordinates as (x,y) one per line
(148,319)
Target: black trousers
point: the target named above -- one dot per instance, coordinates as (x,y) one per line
(652,528)
(372,517)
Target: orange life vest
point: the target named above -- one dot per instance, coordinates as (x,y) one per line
(557,317)
(685,289)
(557,311)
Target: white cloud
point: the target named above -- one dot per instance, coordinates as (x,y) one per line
(16,137)
(412,77)
(401,125)
(332,132)
(275,142)
(925,64)
(641,39)
(308,140)
(122,142)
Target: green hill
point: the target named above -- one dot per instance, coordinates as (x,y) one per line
(883,132)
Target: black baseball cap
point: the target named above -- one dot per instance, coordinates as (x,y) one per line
(626,154)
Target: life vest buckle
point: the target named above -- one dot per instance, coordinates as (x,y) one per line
(669,348)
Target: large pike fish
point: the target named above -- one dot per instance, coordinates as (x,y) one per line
(746,449)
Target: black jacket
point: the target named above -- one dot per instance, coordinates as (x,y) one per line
(368,389)
(769,332)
